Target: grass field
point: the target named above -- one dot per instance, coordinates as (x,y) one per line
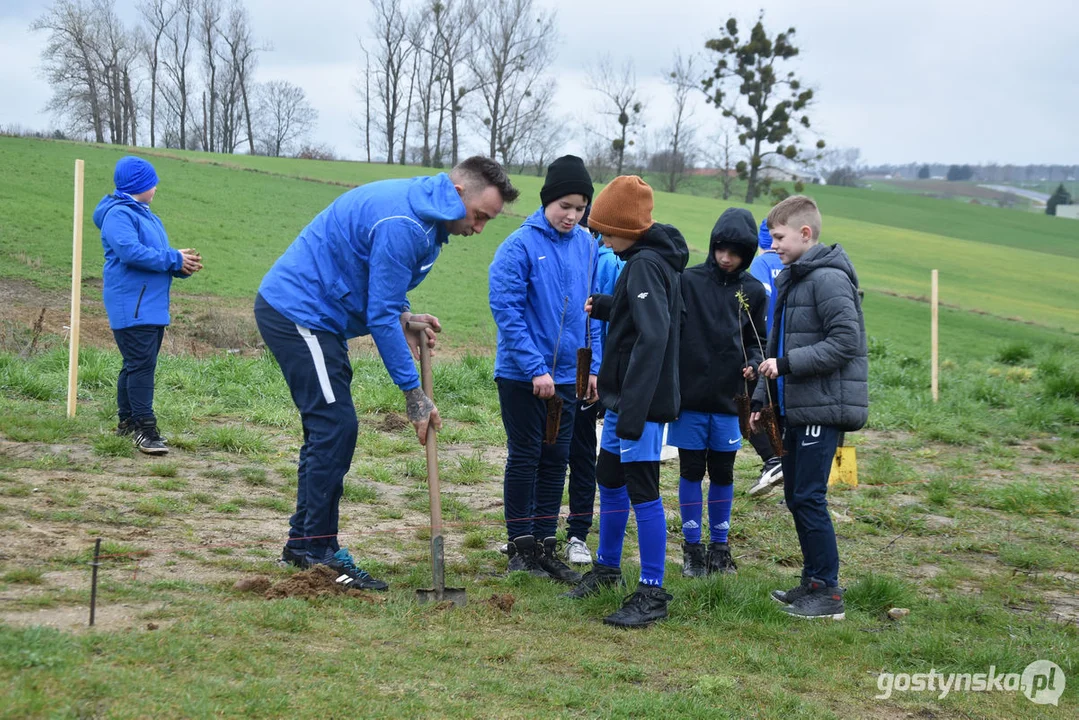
(967,513)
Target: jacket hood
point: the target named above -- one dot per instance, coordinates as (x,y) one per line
(434,198)
(824,256)
(667,241)
(737,227)
(764,237)
(109,202)
(538,221)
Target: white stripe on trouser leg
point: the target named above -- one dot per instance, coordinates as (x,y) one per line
(320,364)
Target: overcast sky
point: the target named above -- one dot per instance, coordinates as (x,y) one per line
(945,81)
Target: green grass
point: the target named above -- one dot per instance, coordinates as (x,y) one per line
(893,239)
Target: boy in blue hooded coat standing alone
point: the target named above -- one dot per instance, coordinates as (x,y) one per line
(539,280)
(348,274)
(137,276)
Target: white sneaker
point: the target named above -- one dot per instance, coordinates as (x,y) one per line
(577,552)
(771,476)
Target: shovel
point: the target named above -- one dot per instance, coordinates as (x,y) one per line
(439,592)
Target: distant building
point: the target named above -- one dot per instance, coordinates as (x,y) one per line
(1068,211)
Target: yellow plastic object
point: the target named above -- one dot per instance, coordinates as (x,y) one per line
(844,467)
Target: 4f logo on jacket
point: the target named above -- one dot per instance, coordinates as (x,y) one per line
(642,296)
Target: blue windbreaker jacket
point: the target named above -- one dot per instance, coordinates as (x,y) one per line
(608,268)
(139,264)
(350,269)
(539,281)
(766,268)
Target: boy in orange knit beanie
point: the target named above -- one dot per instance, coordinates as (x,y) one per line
(638,386)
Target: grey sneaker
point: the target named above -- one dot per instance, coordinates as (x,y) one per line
(577,552)
(788,596)
(819,601)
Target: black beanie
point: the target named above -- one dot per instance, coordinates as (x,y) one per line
(566,176)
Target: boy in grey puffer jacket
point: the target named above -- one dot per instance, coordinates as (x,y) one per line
(818,366)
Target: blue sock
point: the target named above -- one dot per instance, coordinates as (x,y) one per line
(720,499)
(652,538)
(613,518)
(690,500)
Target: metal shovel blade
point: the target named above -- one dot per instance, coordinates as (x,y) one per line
(440,593)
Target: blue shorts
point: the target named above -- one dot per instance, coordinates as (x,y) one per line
(646,449)
(705,431)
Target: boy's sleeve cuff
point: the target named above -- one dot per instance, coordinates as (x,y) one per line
(783,365)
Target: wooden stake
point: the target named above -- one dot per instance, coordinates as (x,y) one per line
(934,337)
(76,296)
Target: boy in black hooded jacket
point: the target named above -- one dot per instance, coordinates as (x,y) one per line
(720,350)
(638,385)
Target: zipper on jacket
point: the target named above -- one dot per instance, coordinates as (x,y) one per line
(138,303)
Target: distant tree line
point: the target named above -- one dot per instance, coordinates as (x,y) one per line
(991,173)
(432,73)
(181,76)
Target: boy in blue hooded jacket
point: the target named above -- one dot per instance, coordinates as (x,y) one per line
(348,274)
(766,268)
(539,280)
(136,279)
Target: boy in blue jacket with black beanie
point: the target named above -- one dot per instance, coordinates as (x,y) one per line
(639,387)
(348,274)
(539,280)
(136,279)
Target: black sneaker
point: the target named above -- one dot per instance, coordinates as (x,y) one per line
(522,552)
(349,575)
(771,475)
(125,427)
(819,601)
(599,577)
(693,560)
(788,596)
(720,560)
(292,556)
(547,558)
(147,439)
(642,608)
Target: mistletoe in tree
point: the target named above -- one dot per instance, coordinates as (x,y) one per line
(767,105)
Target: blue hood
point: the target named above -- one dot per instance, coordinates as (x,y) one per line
(435,199)
(110,201)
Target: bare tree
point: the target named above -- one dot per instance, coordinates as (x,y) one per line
(70,67)
(683,80)
(286,114)
(366,92)
(243,56)
(158,15)
(621,102)
(453,21)
(723,157)
(179,36)
(431,101)
(209,18)
(514,45)
(392,57)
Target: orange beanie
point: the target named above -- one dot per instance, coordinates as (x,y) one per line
(623,208)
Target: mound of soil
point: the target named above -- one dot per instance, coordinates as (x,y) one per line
(392,422)
(319,581)
(257,584)
(503,601)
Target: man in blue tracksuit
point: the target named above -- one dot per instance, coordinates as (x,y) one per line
(582,452)
(539,280)
(137,276)
(347,274)
(766,268)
